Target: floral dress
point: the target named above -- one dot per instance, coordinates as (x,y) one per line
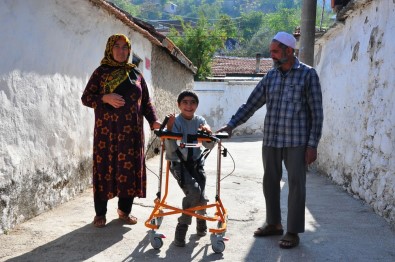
(118,146)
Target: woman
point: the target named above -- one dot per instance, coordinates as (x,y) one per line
(119,95)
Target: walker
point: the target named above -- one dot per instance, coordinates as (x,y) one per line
(162,209)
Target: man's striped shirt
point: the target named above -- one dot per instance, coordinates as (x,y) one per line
(294,107)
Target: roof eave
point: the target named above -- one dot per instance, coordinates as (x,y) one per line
(151,34)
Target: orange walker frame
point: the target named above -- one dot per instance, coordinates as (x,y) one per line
(154,221)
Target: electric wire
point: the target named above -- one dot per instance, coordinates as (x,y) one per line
(234,164)
(145,157)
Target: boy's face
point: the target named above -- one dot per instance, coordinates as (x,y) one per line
(188,106)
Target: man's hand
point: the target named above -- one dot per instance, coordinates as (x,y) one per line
(226,129)
(310,155)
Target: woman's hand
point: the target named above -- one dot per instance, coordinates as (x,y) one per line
(113,99)
(156,125)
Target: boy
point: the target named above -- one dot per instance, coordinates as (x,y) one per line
(187,163)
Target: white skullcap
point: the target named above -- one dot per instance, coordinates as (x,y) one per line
(286,39)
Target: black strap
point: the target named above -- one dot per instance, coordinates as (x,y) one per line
(190,139)
(193,168)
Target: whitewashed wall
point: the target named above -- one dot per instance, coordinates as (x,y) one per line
(218,101)
(355,61)
(49,49)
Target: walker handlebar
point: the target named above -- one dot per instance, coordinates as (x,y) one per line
(200,136)
(164,123)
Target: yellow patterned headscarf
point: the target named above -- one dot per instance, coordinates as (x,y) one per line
(119,75)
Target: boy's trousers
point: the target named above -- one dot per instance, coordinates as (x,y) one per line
(193,194)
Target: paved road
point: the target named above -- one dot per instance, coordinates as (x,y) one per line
(338,227)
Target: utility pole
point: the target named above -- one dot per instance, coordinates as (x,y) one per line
(307,32)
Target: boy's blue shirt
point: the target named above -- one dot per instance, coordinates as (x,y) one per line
(184,126)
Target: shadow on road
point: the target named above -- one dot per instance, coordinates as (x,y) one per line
(338,228)
(144,251)
(68,247)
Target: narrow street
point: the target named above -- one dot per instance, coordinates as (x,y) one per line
(338,227)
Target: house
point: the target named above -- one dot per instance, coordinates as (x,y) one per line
(170,8)
(46,133)
(242,68)
(164,26)
(338,5)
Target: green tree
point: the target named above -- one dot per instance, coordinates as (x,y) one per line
(283,20)
(324,15)
(125,5)
(257,30)
(199,44)
(259,43)
(227,25)
(250,23)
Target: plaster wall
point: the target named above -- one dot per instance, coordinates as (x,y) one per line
(354,60)
(51,49)
(218,101)
(169,78)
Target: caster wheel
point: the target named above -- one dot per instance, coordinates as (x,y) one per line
(156,243)
(159,221)
(218,247)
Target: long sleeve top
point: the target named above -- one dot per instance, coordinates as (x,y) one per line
(293,101)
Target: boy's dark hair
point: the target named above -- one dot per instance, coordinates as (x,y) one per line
(187,93)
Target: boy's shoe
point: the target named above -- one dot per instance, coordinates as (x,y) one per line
(201,227)
(181,232)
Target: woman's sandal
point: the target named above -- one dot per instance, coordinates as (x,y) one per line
(99,221)
(129,219)
(289,240)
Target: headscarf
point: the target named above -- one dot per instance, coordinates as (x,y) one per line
(120,74)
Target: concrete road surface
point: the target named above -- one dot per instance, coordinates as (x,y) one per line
(338,227)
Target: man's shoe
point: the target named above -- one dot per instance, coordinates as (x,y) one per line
(268,230)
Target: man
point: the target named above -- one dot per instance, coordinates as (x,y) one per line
(292,129)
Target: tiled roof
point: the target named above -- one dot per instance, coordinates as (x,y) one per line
(148,31)
(239,66)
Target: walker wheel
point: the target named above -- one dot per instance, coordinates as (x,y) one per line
(218,246)
(157,243)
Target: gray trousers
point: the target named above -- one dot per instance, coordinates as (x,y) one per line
(193,194)
(294,161)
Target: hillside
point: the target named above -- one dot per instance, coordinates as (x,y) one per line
(166,9)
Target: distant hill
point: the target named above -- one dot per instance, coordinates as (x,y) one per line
(166,9)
